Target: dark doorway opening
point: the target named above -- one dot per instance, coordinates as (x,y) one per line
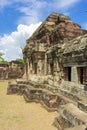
(52,68)
(81,75)
(35,68)
(69,73)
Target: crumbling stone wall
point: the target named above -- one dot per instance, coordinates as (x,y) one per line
(16,70)
(3,71)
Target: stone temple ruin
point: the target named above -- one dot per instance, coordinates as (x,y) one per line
(11,70)
(56,71)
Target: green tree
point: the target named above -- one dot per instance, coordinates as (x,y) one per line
(20,60)
(2,61)
(1,56)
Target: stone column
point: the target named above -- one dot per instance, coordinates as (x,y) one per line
(7,73)
(28,69)
(58,66)
(49,69)
(31,68)
(45,65)
(74,74)
(2,74)
(48,39)
(27,76)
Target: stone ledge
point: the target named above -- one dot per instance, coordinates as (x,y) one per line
(74,117)
(82,127)
(82,106)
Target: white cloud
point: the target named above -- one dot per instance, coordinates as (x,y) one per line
(32,17)
(11,44)
(84,26)
(4,3)
(65,4)
(33,10)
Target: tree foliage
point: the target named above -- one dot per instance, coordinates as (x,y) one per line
(20,60)
(1,56)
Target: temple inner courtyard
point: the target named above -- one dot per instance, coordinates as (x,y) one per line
(16,114)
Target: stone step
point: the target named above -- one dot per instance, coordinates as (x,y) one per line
(81,127)
(70,117)
(82,105)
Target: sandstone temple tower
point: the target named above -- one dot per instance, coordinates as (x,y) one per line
(55,49)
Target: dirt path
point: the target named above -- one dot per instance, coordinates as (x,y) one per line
(16,114)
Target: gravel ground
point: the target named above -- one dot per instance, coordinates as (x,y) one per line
(16,114)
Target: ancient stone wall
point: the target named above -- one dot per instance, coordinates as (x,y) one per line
(3,71)
(16,70)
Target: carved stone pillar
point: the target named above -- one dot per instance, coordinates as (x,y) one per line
(58,67)
(45,65)
(74,74)
(6,73)
(27,76)
(28,68)
(49,69)
(31,69)
(48,39)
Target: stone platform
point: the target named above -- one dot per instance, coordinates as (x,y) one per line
(53,97)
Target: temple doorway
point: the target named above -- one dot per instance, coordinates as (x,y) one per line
(69,73)
(81,75)
(52,68)
(35,68)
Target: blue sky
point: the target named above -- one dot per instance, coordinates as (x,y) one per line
(20,18)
